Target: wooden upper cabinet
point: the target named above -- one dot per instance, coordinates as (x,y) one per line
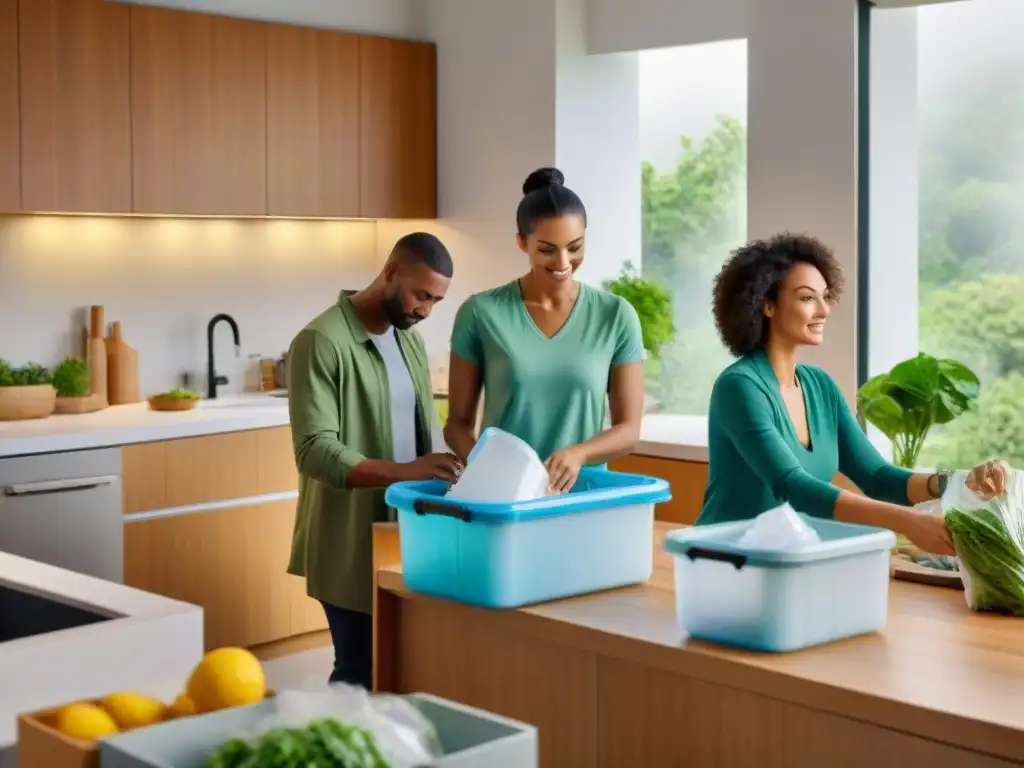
(312,122)
(198,113)
(398,134)
(75,106)
(10,126)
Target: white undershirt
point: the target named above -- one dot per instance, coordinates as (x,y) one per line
(403,397)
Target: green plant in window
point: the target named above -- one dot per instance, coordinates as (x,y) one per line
(71,378)
(653,304)
(914,396)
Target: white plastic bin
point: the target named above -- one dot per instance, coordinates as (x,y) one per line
(772,600)
(597,536)
(471,738)
(501,467)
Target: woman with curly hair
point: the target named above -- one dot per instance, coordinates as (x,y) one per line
(778,431)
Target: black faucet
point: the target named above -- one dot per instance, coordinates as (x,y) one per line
(212,379)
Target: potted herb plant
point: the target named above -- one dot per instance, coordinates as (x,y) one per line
(73,384)
(26,392)
(914,396)
(653,304)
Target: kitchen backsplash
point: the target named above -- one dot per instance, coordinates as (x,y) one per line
(165,278)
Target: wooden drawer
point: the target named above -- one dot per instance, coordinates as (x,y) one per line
(233,563)
(194,470)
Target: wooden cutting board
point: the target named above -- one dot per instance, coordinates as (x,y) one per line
(96,355)
(122,369)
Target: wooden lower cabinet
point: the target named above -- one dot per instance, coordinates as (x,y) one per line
(231,562)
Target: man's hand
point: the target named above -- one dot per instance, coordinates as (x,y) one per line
(433,466)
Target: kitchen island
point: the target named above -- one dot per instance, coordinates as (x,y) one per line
(197,506)
(611,682)
(65,636)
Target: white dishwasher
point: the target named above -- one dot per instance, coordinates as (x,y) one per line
(65,509)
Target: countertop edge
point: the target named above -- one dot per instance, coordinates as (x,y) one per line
(714,666)
(672,451)
(178,425)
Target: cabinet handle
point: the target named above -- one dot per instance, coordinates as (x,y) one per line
(59,486)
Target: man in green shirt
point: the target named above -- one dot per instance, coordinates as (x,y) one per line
(362,412)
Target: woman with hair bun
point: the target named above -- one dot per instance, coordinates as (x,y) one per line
(548,352)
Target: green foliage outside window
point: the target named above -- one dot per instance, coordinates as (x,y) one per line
(653,304)
(971,286)
(693,216)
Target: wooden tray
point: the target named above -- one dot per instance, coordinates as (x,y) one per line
(172,403)
(905,570)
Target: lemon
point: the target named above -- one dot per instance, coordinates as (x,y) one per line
(133,710)
(183,706)
(85,722)
(226,677)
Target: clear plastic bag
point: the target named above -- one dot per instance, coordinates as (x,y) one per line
(405,738)
(780,528)
(988,535)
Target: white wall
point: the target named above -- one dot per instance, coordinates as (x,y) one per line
(616,25)
(517,91)
(802,144)
(894,180)
(390,18)
(165,278)
(597,139)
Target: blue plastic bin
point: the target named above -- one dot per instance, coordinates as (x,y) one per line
(776,600)
(597,536)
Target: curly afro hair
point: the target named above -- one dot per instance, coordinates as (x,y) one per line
(751,278)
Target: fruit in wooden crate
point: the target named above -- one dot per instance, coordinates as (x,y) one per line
(226,677)
(133,710)
(85,722)
(182,706)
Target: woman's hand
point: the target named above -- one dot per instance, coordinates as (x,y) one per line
(563,468)
(988,480)
(928,531)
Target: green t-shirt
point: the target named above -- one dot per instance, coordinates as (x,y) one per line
(550,392)
(756,462)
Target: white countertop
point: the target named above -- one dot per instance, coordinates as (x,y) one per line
(150,644)
(126,424)
(673,436)
(665,436)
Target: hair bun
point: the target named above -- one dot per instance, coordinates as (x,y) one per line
(543,178)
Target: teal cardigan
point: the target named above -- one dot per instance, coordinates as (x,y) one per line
(756,461)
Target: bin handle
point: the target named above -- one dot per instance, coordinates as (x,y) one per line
(701,553)
(435,507)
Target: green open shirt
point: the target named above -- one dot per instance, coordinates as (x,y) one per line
(340,407)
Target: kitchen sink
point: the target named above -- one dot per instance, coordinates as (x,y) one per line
(26,615)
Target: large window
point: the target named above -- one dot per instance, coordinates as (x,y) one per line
(969,119)
(693,105)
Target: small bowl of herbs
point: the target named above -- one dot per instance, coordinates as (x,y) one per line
(25,392)
(73,383)
(175,400)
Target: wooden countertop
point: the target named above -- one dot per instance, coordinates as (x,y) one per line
(936,670)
